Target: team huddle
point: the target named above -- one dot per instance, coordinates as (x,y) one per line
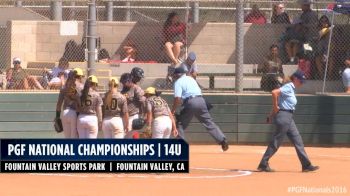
(83,111)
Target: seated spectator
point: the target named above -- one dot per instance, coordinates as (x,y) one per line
(190,66)
(3,80)
(55,78)
(174,33)
(129,51)
(103,56)
(272,62)
(9,79)
(272,70)
(304,65)
(321,52)
(346,74)
(294,39)
(75,52)
(279,16)
(17,78)
(57,82)
(255,16)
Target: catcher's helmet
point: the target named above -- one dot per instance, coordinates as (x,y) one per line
(138,123)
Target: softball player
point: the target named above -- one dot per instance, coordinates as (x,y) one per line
(69,97)
(79,78)
(134,96)
(159,117)
(116,117)
(90,110)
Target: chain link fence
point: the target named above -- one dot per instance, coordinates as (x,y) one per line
(132,33)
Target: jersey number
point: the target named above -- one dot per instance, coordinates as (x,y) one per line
(158,102)
(87,102)
(114,104)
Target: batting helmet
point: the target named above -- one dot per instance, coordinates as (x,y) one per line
(137,73)
(138,123)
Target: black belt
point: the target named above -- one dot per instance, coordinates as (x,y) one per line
(191,97)
(290,111)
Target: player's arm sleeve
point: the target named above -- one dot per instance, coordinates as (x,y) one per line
(142,99)
(99,109)
(59,101)
(124,104)
(148,106)
(125,112)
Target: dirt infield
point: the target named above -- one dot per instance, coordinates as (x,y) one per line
(212,173)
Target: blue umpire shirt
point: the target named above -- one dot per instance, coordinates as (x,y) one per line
(287,99)
(186,87)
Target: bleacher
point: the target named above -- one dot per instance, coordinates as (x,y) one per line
(211,76)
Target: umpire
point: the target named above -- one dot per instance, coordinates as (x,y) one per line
(284,102)
(187,90)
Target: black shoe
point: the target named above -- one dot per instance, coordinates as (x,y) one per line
(267,168)
(311,168)
(224,145)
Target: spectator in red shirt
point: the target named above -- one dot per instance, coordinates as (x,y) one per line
(255,16)
(174,33)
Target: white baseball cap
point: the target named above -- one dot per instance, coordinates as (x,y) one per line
(16,59)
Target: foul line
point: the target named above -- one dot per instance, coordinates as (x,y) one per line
(159,176)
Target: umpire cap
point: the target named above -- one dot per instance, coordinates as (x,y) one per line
(192,56)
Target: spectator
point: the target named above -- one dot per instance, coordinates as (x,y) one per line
(55,78)
(3,80)
(129,51)
(75,52)
(272,70)
(346,74)
(189,65)
(57,82)
(279,16)
(310,20)
(272,62)
(324,26)
(304,65)
(255,16)
(17,78)
(9,79)
(294,39)
(103,56)
(174,33)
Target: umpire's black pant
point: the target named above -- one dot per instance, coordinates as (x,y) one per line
(286,126)
(197,107)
